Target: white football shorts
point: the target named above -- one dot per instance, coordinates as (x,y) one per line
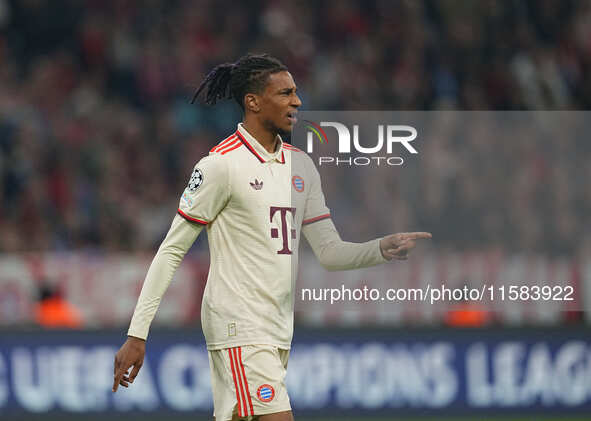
(247,381)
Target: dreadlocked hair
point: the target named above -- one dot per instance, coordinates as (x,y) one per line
(234,80)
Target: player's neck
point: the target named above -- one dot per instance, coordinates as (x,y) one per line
(266,138)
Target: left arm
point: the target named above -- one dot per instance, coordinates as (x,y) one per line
(336,254)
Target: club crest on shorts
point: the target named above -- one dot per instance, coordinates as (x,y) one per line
(265,393)
(298,183)
(196,180)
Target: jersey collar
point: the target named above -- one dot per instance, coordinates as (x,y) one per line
(257,149)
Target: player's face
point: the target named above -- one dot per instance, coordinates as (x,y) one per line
(279,103)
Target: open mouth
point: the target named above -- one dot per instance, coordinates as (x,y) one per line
(292,117)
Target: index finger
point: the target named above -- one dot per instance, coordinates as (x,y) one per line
(118,375)
(416,235)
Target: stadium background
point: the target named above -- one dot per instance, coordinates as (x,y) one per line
(97,139)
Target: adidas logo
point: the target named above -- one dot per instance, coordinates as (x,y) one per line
(257,185)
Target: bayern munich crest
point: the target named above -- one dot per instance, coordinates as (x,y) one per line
(298,183)
(196,180)
(265,393)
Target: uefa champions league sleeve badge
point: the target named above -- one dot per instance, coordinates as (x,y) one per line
(195,181)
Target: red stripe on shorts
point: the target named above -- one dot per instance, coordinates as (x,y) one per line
(245,382)
(235,382)
(235,353)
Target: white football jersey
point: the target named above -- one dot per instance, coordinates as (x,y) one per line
(253,204)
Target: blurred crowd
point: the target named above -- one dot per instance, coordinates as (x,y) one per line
(98,136)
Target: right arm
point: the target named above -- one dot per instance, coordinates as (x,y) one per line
(205,196)
(178,241)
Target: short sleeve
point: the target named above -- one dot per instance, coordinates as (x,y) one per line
(316,209)
(207,191)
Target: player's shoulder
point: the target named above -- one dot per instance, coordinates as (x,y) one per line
(217,159)
(226,146)
(292,148)
(297,155)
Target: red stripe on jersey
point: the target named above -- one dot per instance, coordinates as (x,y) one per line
(235,355)
(291,147)
(225,151)
(235,383)
(223,143)
(228,145)
(250,148)
(245,382)
(282,158)
(315,219)
(190,218)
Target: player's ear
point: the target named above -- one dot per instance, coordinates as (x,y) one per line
(251,103)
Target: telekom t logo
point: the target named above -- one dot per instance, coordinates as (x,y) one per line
(385,135)
(275,231)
